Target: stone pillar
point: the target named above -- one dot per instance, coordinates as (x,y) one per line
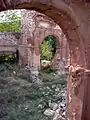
(23,55)
(36,61)
(30,55)
(86,101)
(76,88)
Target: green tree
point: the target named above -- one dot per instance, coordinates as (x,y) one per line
(52,42)
(48,47)
(11,23)
(46,53)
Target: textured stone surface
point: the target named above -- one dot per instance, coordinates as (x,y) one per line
(9,42)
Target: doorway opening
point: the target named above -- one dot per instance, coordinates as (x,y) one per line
(47,51)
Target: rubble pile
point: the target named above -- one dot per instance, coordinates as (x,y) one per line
(57,109)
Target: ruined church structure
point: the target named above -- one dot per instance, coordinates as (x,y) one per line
(73,16)
(34,28)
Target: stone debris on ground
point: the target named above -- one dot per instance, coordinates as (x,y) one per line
(57,109)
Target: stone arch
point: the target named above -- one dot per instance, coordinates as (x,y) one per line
(39,35)
(52,34)
(65,16)
(45,32)
(56,56)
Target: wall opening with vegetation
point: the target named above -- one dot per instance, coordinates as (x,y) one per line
(47,51)
(10,21)
(10,58)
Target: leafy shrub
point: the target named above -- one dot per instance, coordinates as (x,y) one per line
(7,59)
(48,47)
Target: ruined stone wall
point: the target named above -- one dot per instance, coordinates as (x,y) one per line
(12,38)
(9,42)
(35,27)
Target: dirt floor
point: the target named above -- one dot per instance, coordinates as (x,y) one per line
(21,98)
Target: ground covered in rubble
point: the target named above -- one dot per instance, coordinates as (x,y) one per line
(21,98)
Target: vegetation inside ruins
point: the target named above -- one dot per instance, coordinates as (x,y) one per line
(11,59)
(10,21)
(48,48)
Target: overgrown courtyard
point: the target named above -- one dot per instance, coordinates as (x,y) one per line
(33,79)
(21,98)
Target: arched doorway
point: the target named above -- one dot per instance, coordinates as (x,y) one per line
(53,54)
(68,18)
(47,50)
